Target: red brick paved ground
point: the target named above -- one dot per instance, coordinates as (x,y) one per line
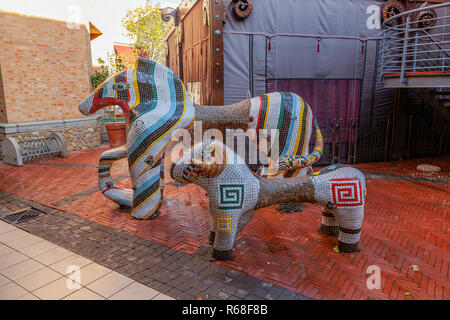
(408,168)
(406,223)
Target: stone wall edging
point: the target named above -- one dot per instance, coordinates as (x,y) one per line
(82,133)
(11,128)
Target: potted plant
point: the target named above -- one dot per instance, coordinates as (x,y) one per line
(117,131)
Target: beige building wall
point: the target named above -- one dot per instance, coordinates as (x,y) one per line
(45,68)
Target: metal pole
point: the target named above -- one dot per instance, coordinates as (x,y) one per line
(339,141)
(405,50)
(349,143)
(416,40)
(382,56)
(333,145)
(355,146)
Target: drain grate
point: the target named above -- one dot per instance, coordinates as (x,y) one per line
(22,216)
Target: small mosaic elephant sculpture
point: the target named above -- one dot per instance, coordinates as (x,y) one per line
(156,103)
(234,190)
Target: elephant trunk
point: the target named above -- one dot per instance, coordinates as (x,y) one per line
(229,116)
(106,184)
(276,191)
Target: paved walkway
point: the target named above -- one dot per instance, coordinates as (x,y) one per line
(405,233)
(172,272)
(32,268)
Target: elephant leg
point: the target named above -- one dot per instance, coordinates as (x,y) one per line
(161,176)
(329,225)
(212,235)
(290,207)
(147,174)
(147,194)
(147,141)
(350,222)
(225,234)
(106,184)
(147,187)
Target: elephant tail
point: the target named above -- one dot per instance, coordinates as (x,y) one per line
(297,162)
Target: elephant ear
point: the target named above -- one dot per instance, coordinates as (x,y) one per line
(151,90)
(145,65)
(213,160)
(156,69)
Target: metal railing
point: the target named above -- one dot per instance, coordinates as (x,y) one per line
(18,152)
(416,45)
(36,148)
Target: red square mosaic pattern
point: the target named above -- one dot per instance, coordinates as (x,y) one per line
(347,192)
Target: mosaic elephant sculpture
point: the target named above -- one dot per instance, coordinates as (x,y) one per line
(234,190)
(155,104)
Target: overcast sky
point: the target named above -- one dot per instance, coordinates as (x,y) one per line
(106,15)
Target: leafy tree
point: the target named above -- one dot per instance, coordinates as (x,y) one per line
(118,62)
(100,75)
(145,27)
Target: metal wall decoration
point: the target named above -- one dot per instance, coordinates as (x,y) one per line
(392,8)
(234,190)
(168,13)
(206,15)
(425,17)
(242,8)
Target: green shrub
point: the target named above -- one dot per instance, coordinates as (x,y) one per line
(99,77)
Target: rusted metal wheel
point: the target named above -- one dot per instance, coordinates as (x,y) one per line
(426,18)
(243,8)
(392,8)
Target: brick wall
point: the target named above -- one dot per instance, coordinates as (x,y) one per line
(45,68)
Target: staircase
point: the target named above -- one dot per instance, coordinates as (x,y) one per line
(438,99)
(416,53)
(443,96)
